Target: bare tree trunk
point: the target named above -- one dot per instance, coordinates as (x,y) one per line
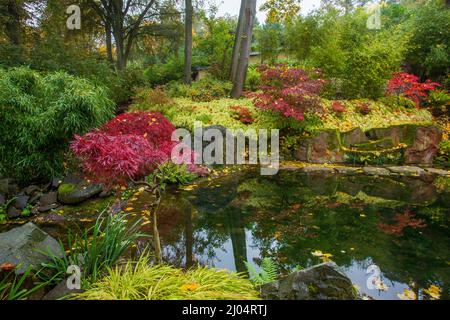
(237,41)
(108,42)
(188,42)
(241,72)
(12,25)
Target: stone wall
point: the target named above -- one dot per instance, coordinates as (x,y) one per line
(402,144)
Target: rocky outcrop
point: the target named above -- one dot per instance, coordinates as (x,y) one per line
(323,148)
(425,146)
(320,282)
(403,144)
(23,247)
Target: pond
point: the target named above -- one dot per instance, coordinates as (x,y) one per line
(299,220)
(399,224)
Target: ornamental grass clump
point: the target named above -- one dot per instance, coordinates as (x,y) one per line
(141,281)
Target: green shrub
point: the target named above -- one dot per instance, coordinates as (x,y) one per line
(40,115)
(205,90)
(253,79)
(162,73)
(148,99)
(170,173)
(140,281)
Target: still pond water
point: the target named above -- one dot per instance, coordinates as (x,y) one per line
(400,225)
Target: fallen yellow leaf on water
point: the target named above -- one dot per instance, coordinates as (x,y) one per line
(317,253)
(129,209)
(362,215)
(434,292)
(145,223)
(380,285)
(407,295)
(146,212)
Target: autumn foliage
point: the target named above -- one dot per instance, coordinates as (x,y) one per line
(408,85)
(402,221)
(129,146)
(242,114)
(289,91)
(338,107)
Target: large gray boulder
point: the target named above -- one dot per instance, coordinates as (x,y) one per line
(23,246)
(320,282)
(69,193)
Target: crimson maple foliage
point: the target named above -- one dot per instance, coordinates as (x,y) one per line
(242,114)
(289,91)
(129,146)
(408,85)
(338,107)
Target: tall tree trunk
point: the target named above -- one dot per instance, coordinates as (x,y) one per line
(12,25)
(237,41)
(188,42)
(241,72)
(108,40)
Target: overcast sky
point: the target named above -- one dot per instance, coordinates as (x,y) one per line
(232,7)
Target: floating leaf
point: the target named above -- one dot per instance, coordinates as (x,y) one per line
(407,295)
(434,292)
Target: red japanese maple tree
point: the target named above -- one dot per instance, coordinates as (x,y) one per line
(289,91)
(408,85)
(129,146)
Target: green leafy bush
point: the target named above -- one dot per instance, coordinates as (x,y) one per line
(204,90)
(170,173)
(253,79)
(40,115)
(162,73)
(147,99)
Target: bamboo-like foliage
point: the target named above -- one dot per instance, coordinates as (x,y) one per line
(39,115)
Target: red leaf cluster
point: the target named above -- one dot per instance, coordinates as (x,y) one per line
(338,107)
(401,221)
(129,146)
(408,85)
(242,114)
(363,108)
(288,91)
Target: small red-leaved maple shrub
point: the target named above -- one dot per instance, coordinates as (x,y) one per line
(408,85)
(363,108)
(338,107)
(242,114)
(130,146)
(289,91)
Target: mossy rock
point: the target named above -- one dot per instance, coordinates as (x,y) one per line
(377,145)
(69,193)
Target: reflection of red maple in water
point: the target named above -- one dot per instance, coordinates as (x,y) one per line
(401,222)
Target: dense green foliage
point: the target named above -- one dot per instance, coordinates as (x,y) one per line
(39,116)
(357,61)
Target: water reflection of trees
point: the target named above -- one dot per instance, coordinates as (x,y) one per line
(291,215)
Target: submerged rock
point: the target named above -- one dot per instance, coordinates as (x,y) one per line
(320,282)
(69,193)
(23,246)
